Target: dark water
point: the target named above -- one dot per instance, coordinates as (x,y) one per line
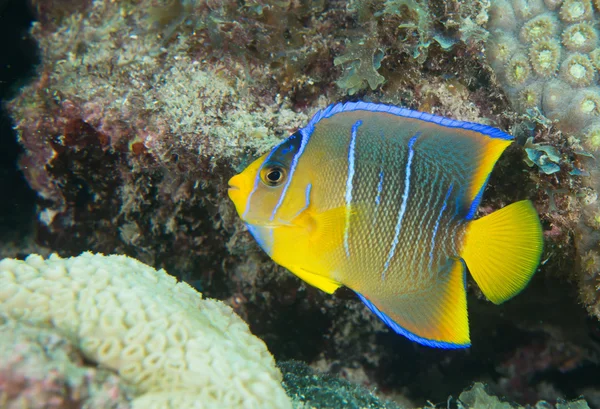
(17,64)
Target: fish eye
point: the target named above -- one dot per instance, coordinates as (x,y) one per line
(273,175)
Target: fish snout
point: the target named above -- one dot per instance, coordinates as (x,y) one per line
(236,188)
(235,182)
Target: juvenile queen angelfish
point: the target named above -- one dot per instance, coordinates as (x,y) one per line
(381,199)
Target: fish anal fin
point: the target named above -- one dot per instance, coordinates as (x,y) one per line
(316,280)
(436,317)
(502,250)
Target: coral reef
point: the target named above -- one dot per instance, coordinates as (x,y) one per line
(141,110)
(478,397)
(545,56)
(174,348)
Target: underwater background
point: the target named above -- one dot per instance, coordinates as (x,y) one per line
(122,122)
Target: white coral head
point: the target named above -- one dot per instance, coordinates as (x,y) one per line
(157,334)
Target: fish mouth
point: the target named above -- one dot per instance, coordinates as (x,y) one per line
(237,193)
(233,186)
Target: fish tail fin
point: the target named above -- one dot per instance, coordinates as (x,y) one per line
(502,250)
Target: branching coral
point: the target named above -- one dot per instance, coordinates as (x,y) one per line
(176,349)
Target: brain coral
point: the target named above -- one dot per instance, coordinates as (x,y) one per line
(545,54)
(176,349)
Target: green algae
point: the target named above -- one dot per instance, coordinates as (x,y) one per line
(362,60)
(309,389)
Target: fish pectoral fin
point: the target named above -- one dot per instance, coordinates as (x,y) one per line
(502,250)
(316,280)
(328,232)
(436,317)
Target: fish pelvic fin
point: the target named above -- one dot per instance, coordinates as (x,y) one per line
(502,250)
(436,317)
(316,280)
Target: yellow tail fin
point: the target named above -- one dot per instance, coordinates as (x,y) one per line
(502,250)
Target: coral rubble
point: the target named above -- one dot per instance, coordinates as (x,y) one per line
(309,389)
(41,369)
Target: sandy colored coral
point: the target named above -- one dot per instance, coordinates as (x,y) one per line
(176,349)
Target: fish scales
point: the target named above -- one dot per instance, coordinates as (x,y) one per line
(368,254)
(382,200)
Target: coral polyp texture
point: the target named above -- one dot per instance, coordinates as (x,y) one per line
(174,348)
(545,56)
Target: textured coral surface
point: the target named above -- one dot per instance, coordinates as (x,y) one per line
(545,55)
(175,349)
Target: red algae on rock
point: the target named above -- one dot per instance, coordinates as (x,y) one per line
(40,369)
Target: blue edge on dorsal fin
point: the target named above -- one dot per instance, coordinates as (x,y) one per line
(398,329)
(486,130)
(407,113)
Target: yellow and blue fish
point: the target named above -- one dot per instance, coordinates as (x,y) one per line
(382,199)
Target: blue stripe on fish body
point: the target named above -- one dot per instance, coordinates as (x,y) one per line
(428,215)
(257,179)
(411,152)
(305,137)
(306,200)
(473,209)
(265,241)
(407,113)
(349,182)
(380,183)
(437,225)
(379,188)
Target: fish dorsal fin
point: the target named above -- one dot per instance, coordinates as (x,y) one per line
(466,151)
(490,151)
(436,316)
